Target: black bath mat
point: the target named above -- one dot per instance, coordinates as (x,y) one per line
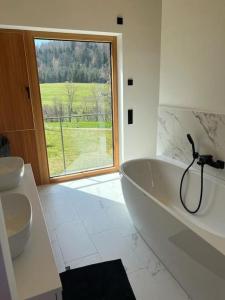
(103,281)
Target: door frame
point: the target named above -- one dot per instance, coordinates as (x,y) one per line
(37,105)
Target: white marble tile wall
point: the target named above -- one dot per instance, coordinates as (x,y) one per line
(88,222)
(206,129)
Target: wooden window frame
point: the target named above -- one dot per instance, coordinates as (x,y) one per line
(30,36)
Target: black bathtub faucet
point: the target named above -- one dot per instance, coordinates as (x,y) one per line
(202,161)
(208,160)
(205,159)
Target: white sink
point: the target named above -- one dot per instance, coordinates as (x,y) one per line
(18,219)
(11,172)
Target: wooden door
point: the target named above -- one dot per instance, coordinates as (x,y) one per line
(15,102)
(16,113)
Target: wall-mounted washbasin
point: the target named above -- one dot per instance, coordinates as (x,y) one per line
(11,172)
(18,219)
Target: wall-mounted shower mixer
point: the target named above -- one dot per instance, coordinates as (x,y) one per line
(202,161)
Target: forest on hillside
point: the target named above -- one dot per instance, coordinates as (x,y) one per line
(73,61)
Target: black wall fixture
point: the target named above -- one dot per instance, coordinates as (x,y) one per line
(4,146)
(130,81)
(120,20)
(130,116)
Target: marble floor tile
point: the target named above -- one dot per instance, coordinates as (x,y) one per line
(160,287)
(48,220)
(98,221)
(105,178)
(59,210)
(171,289)
(98,218)
(120,219)
(76,184)
(85,261)
(112,245)
(74,241)
(104,192)
(50,188)
(140,282)
(58,256)
(145,255)
(87,204)
(88,222)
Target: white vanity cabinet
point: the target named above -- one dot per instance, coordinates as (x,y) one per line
(35,270)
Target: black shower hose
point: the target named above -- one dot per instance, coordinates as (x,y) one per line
(201,192)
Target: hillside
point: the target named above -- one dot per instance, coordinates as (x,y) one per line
(73,61)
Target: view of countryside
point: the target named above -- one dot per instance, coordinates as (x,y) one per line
(75,85)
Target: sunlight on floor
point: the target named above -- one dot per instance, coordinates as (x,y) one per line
(94,186)
(88,222)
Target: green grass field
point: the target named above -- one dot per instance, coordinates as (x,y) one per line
(83,92)
(87,144)
(84,148)
(80,124)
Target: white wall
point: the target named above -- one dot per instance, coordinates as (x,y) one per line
(193,54)
(140,57)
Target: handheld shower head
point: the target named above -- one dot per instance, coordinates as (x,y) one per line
(195,154)
(190,139)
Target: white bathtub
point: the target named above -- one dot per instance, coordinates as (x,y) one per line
(191,246)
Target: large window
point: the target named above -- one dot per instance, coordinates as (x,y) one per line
(78,104)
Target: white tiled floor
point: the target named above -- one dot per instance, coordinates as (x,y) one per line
(88,222)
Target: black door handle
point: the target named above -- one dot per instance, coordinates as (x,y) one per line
(28,91)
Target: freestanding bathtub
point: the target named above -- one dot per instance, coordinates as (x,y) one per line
(192,247)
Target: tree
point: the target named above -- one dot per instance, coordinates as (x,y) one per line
(98,108)
(70,93)
(58,109)
(60,61)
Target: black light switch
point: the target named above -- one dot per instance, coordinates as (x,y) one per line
(120,20)
(130,116)
(130,81)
